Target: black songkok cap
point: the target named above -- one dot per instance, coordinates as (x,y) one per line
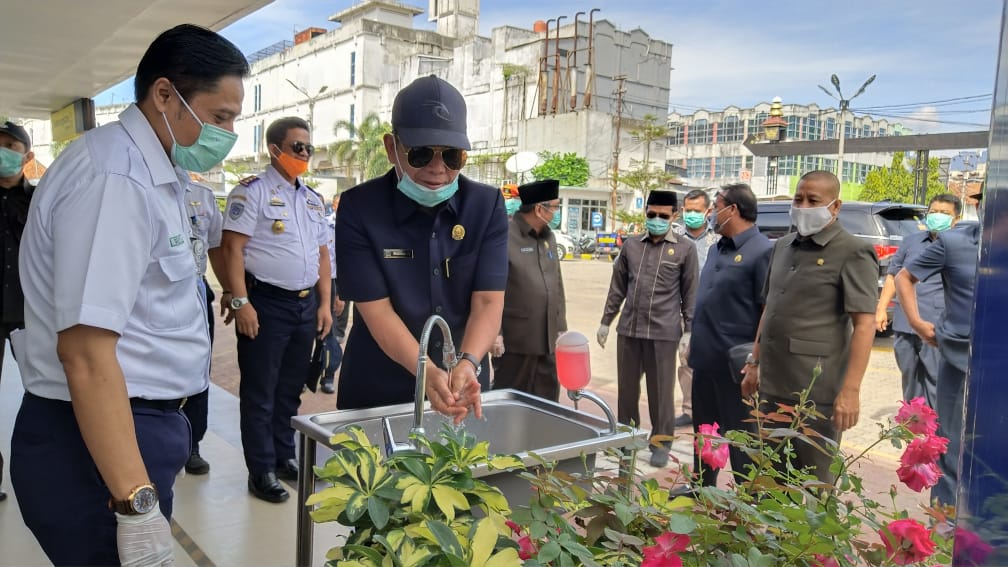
(539,191)
(662,198)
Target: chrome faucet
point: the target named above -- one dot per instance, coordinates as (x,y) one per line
(448,357)
(576,395)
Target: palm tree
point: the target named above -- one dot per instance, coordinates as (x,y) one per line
(363,152)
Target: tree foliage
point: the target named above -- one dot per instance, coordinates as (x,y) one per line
(569,168)
(646,178)
(896,182)
(363,152)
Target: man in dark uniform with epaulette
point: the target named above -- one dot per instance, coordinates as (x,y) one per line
(820,300)
(535,309)
(15,195)
(421,240)
(275,243)
(729,304)
(653,290)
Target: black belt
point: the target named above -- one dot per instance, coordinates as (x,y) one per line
(163,405)
(254,283)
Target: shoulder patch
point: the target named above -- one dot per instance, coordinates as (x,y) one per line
(235,210)
(248,180)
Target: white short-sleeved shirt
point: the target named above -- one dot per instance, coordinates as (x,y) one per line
(207,221)
(331,219)
(286,227)
(108,245)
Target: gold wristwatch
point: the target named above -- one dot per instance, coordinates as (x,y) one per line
(141,500)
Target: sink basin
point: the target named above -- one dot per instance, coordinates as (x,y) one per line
(513,422)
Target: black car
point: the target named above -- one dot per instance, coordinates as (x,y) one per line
(884,224)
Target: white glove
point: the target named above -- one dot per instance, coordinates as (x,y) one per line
(497,350)
(685,338)
(602,334)
(145,540)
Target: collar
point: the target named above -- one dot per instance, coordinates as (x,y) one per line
(139,129)
(274,177)
(739,240)
(669,237)
(706,232)
(526,228)
(403,207)
(821,238)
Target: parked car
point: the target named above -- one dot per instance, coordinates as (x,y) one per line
(565,245)
(884,224)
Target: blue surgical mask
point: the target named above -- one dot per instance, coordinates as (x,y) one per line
(11,162)
(511,206)
(555,221)
(938,222)
(693,219)
(657,226)
(422,195)
(209,149)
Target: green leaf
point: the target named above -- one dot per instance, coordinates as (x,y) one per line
(448,499)
(549,551)
(356,506)
(378,511)
(483,540)
(445,537)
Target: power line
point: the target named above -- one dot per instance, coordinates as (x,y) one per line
(942,102)
(909,112)
(930,120)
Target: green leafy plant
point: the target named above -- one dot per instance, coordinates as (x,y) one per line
(774,514)
(569,168)
(415,508)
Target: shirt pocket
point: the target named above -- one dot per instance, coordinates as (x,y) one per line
(170,292)
(810,348)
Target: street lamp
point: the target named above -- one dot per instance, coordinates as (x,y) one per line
(311,103)
(774,130)
(844,105)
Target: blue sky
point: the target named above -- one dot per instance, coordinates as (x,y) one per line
(740,52)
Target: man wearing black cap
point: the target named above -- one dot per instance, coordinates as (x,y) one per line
(535,311)
(421,240)
(654,280)
(15,195)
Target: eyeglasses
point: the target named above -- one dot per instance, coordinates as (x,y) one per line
(550,207)
(423,155)
(299,147)
(663,216)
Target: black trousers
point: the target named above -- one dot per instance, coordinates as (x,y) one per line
(273,367)
(717,398)
(532,373)
(52,470)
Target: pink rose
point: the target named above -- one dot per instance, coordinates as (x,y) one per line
(712,451)
(917,416)
(923,450)
(820,560)
(920,476)
(907,541)
(664,552)
(526,548)
(970,550)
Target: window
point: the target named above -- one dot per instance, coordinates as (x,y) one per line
(579,214)
(812,127)
(700,133)
(353,122)
(698,168)
(755,125)
(727,166)
(866,131)
(676,133)
(353,68)
(257,137)
(787,165)
(848,130)
(831,128)
(729,130)
(792,127)
(257,98)
(882,133)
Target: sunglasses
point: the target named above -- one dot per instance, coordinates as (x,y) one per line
(423,155)
(299,147)
(663,216)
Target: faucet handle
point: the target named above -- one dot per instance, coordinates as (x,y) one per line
(391,447)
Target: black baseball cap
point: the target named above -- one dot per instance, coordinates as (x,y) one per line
(430,112)
(16,132)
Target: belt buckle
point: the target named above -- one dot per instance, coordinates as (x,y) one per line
(183,402)
(304,293)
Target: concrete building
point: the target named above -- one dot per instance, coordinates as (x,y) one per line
(707,146)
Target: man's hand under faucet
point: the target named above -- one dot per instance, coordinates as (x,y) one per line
(456,395)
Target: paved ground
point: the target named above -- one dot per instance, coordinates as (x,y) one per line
(587,282)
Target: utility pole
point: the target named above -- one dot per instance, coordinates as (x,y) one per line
(620,90)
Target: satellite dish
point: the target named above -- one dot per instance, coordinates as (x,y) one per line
(521,162)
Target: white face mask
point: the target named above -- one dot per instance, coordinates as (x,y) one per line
(811,220)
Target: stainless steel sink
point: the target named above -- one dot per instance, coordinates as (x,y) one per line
(513,422)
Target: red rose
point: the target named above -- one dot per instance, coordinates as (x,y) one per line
(918,417)
(907,541)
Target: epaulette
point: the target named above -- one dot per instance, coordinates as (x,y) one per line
(248,180)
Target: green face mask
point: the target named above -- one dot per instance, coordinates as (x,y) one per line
(693,219)
(511,206)
(555,221)
(937,222)
(210,148)
(11,162)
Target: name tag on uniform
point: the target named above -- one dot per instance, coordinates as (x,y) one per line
(176,240)
(527,250)
(398,253)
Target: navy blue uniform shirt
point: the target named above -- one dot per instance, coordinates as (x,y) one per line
(729,299)
(930,296)
(426,261)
